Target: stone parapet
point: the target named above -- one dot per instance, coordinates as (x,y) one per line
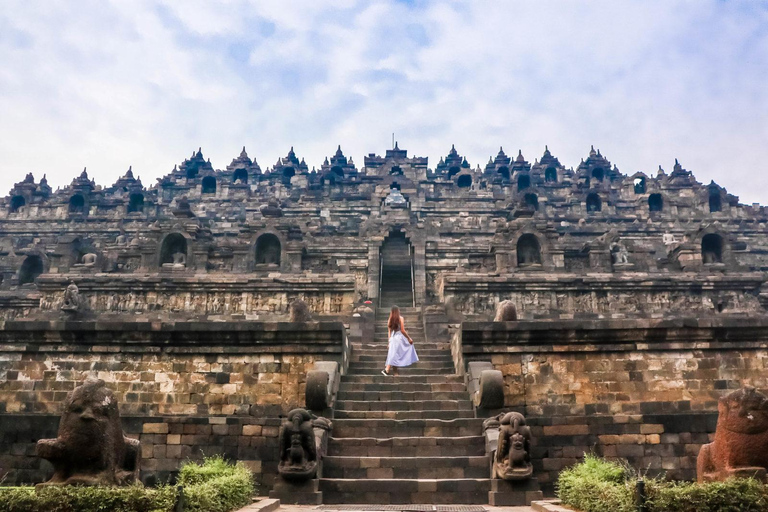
(165,368)
(248,297)
(602,295)
(573,367)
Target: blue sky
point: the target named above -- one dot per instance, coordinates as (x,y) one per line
(105,85)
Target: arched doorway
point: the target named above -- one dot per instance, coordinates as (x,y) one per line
(712,249)
(208,185)
(136,203)
(76,204)
(268,250)
(464,181)
(17,202)
(655,203)
(396,271)
(174,250)
(528,251)
(30,269)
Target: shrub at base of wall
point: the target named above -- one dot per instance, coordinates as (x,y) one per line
(213,486)
(597,485)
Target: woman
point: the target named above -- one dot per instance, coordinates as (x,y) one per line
(401,350)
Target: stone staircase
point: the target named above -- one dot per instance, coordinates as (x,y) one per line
(396,282)
(410,439)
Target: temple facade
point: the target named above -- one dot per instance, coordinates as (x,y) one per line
(640,301)
(242,242)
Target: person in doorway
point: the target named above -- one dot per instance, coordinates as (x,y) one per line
(401,350)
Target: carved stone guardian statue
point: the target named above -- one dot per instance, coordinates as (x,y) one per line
(298,453)
(72,301)
(740,448)
(512,461)
(91,448)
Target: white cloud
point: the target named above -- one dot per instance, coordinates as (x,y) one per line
(109,85)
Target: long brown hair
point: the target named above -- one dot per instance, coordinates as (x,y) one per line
(394,319)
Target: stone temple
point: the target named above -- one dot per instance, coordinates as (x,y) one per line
(640,302)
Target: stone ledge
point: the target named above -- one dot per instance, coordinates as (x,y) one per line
(262,505)
(553,505)
(699,333)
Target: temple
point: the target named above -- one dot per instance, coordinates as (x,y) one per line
(639,297)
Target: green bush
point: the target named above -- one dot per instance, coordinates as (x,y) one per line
(213,486)
(87,499)
(734,495)
(597,485)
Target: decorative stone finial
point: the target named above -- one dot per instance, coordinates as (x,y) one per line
(71,299)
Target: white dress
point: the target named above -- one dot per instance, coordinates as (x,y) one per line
(401,352)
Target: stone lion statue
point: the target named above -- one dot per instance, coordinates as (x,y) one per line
(91,448)
(740,447)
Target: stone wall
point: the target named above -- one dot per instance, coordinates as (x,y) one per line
(165,368)
(599,295)
(250,298)
(186,389)
(644,390)
(165,444)
(653,442)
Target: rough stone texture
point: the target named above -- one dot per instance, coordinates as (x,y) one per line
(166,442)
(186,368)
(619,366)
(246,241)
(298,453)
(300,311)
(639,296)
(90,448)
(505,312)
(512,460)
(740,447)
(642,390)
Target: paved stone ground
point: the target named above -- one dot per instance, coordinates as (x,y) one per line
(313,508)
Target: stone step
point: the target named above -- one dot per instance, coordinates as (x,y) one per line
(407,396)
(406,467)
(410,371)
(405,491)
(383,344)
(345,427)
(438,348)
(403,415)
(405,378)
(382,311)
(467,446)
(378,359)
(392,386)
(404,405)
(365,357)
(446,365)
